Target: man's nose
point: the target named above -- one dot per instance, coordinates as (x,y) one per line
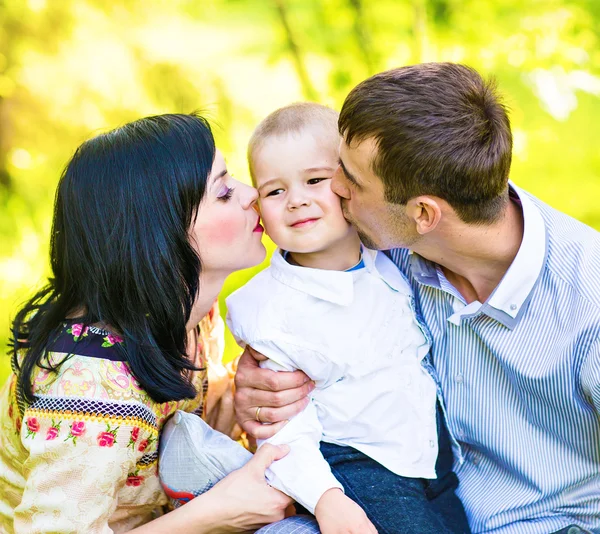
(338,184)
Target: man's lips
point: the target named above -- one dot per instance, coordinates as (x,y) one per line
(258,227)
(303,222)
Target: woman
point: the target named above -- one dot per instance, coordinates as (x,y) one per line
(147,225)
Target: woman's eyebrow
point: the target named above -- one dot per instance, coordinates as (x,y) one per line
(218,176)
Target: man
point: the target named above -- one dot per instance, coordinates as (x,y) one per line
(508,287)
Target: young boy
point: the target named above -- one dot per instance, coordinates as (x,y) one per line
(368,439)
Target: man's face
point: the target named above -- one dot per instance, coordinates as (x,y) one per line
(381,225)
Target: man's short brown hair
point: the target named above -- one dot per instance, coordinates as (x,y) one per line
(440,130)
(294,118)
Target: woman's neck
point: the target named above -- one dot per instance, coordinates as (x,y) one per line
(209,288)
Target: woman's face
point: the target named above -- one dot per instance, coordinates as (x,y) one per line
(226,232)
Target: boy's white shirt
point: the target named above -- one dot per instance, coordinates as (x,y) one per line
(355,335)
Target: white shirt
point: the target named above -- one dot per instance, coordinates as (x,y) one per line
(353,333)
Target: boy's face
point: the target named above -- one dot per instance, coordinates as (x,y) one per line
(299,210)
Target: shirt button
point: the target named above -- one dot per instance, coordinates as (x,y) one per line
(574,530)
(513,307)
(431,443)
(459,378)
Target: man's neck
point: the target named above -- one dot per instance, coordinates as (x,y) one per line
(343,255)
(473,258)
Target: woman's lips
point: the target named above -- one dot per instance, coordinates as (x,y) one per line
(303,222)
(258,228)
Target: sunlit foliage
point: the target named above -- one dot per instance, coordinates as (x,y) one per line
(72,68)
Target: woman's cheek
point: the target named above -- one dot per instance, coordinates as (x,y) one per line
(223,230)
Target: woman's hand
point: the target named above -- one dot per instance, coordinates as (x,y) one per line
(338,514)
(280,395)
(243,500)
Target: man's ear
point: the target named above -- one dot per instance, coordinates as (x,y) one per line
(426,212)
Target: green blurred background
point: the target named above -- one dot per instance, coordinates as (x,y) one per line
(70,69)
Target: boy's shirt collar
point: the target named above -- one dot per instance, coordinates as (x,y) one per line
(336,287)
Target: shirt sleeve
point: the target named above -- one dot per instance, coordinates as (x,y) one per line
(590,375)
(76,465)
(303,473)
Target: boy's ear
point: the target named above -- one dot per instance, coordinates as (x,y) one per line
(426,213)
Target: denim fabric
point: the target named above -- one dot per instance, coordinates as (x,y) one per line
(298,524)
(398,504)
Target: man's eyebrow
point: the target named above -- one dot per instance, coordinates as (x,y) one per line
(350,177)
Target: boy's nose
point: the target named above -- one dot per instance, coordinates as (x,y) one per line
(297,199)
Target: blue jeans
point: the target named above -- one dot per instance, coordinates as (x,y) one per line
(396,504)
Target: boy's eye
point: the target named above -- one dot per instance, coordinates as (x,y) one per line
(314,181)
(274,192)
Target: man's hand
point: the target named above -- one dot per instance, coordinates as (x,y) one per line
(338,514)
(280,395)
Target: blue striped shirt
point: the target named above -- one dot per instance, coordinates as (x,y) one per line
(520,376)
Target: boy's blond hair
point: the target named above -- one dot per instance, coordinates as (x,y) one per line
(293,119)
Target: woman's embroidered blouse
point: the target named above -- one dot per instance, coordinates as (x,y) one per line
(83,456)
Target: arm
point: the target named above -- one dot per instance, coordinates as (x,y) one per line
(240,502)
(78,467)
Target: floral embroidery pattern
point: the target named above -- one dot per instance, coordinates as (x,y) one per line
(77,430)
(144,444)
(53,431)
(77,331)
(111,339)
(107,438)
(33,426)
(135,433)
(133,479)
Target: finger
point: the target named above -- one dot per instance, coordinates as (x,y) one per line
(246,399)
(260,431)
(255,354)
(251,376)
(265,456)
(285,413)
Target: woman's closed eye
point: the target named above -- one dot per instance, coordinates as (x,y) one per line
(225,193)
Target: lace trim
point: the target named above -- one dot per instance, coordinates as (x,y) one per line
(95,408)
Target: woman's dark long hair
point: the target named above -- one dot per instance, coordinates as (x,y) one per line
(120,251)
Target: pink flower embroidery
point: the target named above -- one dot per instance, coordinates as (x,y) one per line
(52,433)
(143,445)
(133,479)
(105,439)
(135,433)
(77,430)
(77,331)
(33,426)
(111,339)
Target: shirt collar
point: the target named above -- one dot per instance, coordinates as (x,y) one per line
(335,286)
(512,294)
